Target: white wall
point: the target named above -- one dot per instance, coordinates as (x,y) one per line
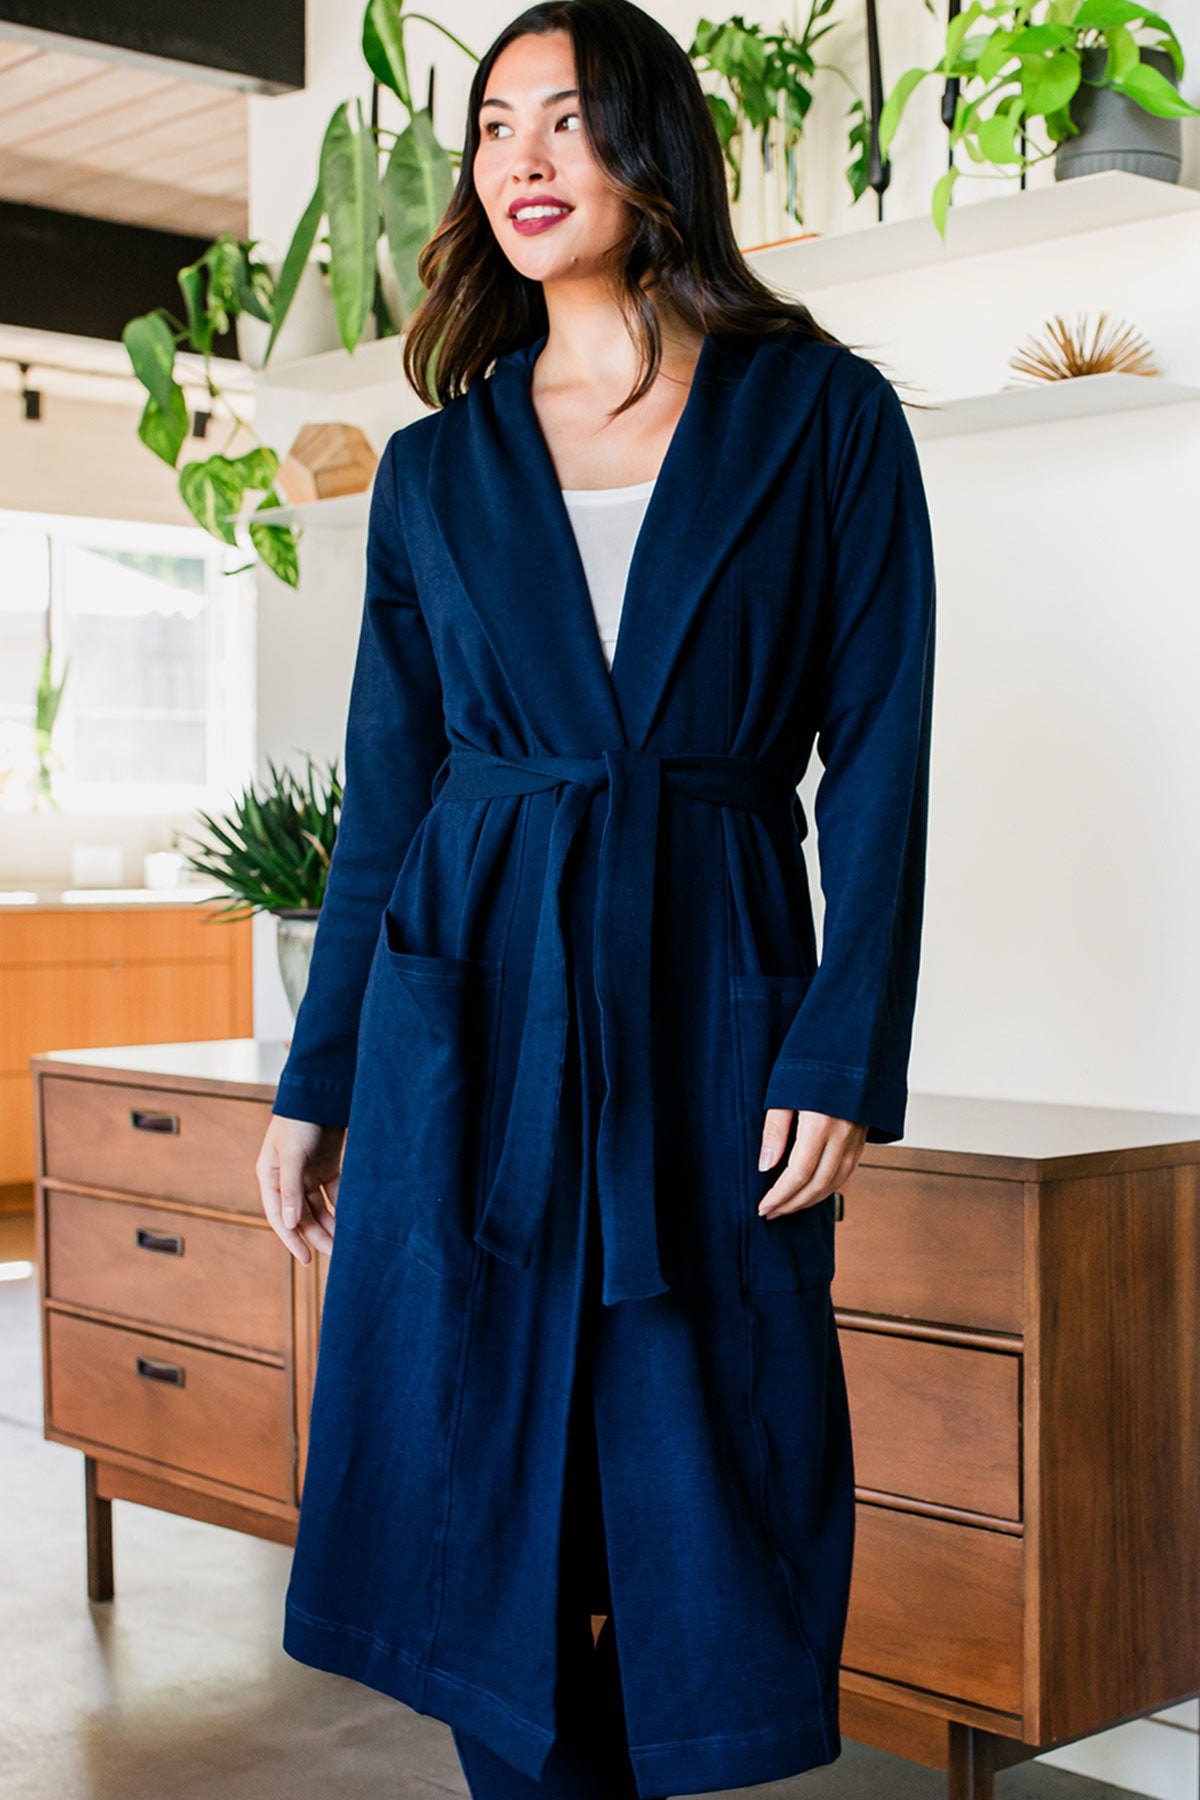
(84,458)
(1061,959)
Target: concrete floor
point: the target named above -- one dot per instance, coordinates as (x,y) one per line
(179,1688)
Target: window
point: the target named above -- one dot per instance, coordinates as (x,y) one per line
(153,627)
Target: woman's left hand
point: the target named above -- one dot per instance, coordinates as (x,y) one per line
(824,1155)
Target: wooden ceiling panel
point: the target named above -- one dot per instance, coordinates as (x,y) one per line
(133,111)
(168,149)
(66,122)
(118,142)
(14,53)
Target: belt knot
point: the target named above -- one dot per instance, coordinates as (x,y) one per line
(515,1203)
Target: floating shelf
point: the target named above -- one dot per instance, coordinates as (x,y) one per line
(800,265)
(1070,399)
(1005,222)
(339,371)
(345,512)
(1036,405)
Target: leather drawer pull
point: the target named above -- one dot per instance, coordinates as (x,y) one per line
(154,1121)
(168,1243)
(160,1371)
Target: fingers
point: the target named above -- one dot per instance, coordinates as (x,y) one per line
(776,1126)
(823,1158)
(281,1169)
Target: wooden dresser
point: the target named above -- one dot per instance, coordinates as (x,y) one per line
(1018,1300)
(178,1335)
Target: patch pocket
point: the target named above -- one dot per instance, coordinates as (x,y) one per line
(792,1250)
(428,1053)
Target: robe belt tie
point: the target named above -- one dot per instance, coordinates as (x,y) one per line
(516,1201)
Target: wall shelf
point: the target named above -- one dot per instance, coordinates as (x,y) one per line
(798,266)
(1071,399)
(1005,222)
(344,512)
(1077,398)
(338,371)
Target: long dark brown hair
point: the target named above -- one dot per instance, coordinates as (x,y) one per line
(648,125)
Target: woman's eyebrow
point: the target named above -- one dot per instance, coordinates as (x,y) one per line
(550,100)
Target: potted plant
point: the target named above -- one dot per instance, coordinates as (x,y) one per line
(227,280)
(381,192)
(769,79)
(311,326)
(1076,66)
(273,852)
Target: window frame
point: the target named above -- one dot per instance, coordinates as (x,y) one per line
(230,651)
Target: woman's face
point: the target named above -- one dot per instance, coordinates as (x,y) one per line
(533,155)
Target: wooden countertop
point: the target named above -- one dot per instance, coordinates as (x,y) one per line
(1022,1140)
(19,899)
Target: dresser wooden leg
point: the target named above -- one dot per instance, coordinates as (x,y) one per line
(99,1536)
(971,1768)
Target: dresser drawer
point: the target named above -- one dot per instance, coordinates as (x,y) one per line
(171,1146)
(935,1422)
(937,1606)
(197,1411)
(169,1268)
(943,1248)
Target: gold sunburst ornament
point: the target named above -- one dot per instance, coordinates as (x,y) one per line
(1066,351)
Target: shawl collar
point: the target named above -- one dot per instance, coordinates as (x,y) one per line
(494,495)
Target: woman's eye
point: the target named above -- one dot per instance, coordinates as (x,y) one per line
(494,127)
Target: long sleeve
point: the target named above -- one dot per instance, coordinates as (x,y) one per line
(394,744)
(846,1052)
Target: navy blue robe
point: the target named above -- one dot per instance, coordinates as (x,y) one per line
(545,872)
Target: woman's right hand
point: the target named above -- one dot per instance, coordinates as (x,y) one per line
(298,1170)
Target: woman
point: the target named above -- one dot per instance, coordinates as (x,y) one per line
(578,1354)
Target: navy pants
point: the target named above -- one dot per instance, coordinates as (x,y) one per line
(589,1759)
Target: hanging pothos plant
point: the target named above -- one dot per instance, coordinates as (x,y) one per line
(381,194)
(227,280)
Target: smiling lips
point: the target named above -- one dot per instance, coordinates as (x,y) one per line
(529,216)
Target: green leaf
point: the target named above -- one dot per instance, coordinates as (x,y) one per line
(1153,91)
(383,47)
(212,492)
(1100,15)
(165,432)
(294,264)
(942,191)
(252,286)
(151,346)
(897,100)
(956,32)
(223,259)
(1050,82)
(997,138)
(415,192)
(257,468)
(350,186)
(276,544)
(191,286)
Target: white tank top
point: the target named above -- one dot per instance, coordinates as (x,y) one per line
(606,522)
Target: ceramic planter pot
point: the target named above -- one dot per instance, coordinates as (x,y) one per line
(1116,133)
(294,934)
(309,329)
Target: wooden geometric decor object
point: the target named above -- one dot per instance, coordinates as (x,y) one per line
(327,460)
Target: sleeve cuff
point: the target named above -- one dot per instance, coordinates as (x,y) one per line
(841,1093)
(316,1102)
